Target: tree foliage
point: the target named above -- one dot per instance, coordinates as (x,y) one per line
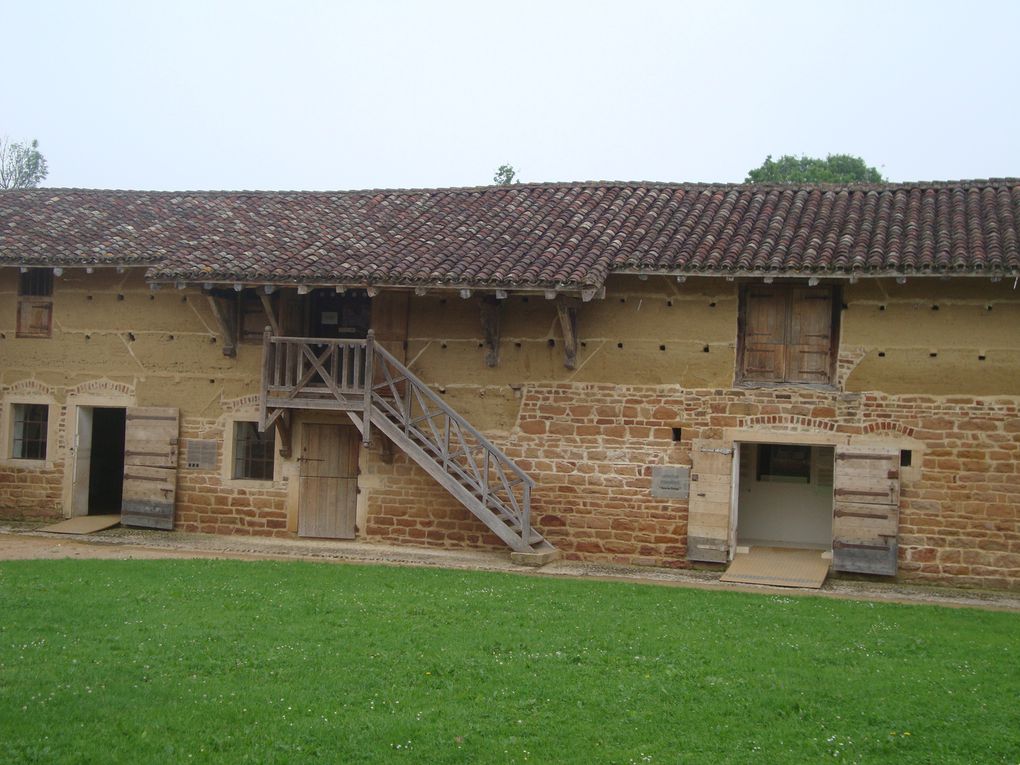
(505,175)
(835,168)
(21,165)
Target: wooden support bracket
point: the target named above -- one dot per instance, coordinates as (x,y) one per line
(566,309)
(490,326)
(284,429)
(267,306)
(223,311)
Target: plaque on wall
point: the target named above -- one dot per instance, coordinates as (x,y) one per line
(671,481)
(200,455)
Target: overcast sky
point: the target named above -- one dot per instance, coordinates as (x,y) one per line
(342,95)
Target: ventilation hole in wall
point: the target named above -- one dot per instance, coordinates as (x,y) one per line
(669,303)
(551,343)
(935,307)
(933,355)
(881,354)
(120,297)
(619,345)
(662,347)
(584,344)
(212,381)
(712,304)
(212,341)
(678,433)
(906,457)
(881,308)
(988,308)
(152,297)
(517,345)
(442,345)
(3,335)
(981,357)
(442,389)
(844,307)
(481,345)
(623,300)
(88,297)
(705,349)
(170,337)
(131,337)
(88,337)
(184,298)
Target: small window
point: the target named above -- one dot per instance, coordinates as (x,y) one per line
(31,422)
(786,463)
(252,316)
(788,334)
(253,452)
(35,303)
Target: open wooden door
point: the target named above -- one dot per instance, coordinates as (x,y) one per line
(329,481)
(866,507)
(150,467)
(82,462)
(708,513)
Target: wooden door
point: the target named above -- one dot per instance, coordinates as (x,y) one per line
(82,462)
(708,509)
(328,481)
(150,467)
(866,503)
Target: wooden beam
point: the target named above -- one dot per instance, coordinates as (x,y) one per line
(267,306)
(566,309)
(223,312)
(490,327)
(284,429)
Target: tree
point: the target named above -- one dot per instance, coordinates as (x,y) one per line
(835,168)
(21,165)
(505,175)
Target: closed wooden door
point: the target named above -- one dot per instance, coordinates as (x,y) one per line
(329,481)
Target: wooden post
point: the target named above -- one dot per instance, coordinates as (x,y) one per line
(267,350)
(366,432)
(526,514)
(267,306)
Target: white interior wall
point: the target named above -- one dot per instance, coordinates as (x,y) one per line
(789,513)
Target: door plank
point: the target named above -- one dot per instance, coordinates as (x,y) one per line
(708,509)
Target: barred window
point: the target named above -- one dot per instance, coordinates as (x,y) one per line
(30,426)
(253,452)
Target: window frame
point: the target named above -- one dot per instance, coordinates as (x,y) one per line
(13,439)
(241,458)
(35,292)
(835,295)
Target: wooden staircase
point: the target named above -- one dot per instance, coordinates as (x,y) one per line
(377,391)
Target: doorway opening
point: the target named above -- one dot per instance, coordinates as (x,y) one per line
(99,461)
(785,496)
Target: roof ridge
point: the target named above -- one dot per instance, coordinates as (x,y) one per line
(678,185)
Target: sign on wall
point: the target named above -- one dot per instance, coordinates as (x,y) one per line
(671,482)
(201,455)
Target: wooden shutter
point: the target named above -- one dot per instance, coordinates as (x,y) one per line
(35,317)
(865,519)
(809,336)
(150,467)
(708,509)
(764,334)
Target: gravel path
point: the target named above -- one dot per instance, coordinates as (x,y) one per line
(23,541)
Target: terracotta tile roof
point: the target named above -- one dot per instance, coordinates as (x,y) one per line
(540,235)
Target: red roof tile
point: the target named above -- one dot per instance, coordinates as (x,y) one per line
(538,235)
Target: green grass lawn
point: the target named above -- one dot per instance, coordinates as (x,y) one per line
(223,661)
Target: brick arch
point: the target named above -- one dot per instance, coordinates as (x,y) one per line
(103,387)
(791,422)
(889,426)
(30,387)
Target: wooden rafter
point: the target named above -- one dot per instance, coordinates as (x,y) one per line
(223,312)
(490,326)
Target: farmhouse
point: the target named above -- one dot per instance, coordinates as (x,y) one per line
(655,374)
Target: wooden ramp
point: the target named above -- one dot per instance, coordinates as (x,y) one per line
(83,524)
(779,567)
